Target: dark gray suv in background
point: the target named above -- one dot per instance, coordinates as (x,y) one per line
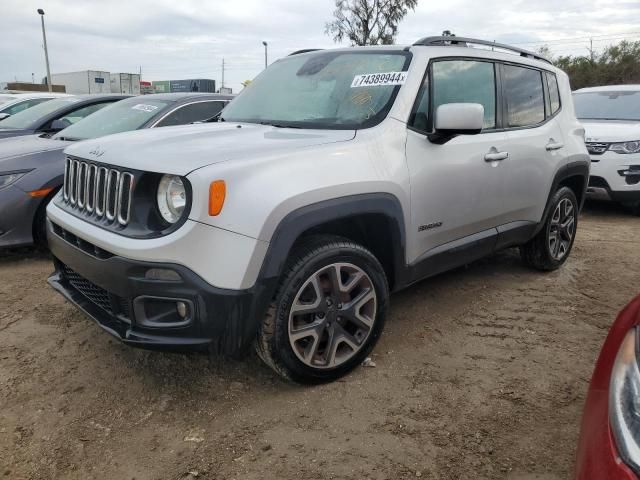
(32,167)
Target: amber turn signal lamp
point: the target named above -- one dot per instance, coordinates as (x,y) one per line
(41,193)
(217,193)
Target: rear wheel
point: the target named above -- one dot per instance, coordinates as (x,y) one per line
(550,248)
(328,313)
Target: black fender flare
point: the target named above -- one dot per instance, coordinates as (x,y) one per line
(298,221)
(572,169)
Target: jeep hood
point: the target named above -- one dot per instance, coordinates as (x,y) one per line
(21,153)
(611,130)
(180,150)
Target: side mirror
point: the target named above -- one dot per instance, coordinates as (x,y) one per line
(453,119)
(4,115)
(59,124)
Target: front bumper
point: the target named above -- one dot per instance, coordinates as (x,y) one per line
(17,211)
(613,177)
(115,292)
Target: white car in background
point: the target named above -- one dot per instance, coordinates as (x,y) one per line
(12,103)
(611,118)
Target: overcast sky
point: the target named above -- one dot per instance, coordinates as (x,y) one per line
(178,39)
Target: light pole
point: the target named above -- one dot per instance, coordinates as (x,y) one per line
(46,52)
(265,54)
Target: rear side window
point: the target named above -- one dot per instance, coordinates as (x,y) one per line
(458,81)
(524,96)
(554,92)
(18,107)
(196,112)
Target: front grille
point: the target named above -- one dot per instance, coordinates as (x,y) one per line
(98,191)
(86,247)
(596,148)
(110,303)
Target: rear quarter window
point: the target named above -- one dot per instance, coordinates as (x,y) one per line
(554,92)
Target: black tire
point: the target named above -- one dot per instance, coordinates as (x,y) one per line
(310,261)
(40,223)
(538,252)
(635,208)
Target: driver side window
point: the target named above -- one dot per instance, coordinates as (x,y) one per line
(457,81)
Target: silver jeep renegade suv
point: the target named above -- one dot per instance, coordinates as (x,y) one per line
(335,178)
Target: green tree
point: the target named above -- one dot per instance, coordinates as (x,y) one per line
(368,22)
(617,64)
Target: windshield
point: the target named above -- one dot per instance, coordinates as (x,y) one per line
(614,105)
(122,116)
(27,117)
(332,90)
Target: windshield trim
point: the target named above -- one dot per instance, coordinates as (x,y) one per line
(312,125)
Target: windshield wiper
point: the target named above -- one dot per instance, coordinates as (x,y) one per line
(279,125)
(68,139)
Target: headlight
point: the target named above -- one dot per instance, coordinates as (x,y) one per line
(626,147)
(624,402)
(172,198)
(7,179)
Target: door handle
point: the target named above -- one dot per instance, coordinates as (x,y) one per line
(496,156)
(553,145)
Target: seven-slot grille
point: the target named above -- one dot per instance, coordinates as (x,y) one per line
(100,191)
(596,148)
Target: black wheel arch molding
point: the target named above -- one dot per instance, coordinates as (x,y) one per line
(303,220)
(575,175)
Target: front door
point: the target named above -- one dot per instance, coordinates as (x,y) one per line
(457,188)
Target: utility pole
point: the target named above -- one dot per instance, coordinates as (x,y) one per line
(222,86)
(591,56)
(265,54)
(46,52)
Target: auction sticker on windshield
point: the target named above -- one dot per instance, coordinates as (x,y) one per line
(144,108)
(379,79)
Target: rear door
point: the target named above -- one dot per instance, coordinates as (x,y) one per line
(535,140)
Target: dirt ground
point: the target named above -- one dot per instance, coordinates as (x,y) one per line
(481,373)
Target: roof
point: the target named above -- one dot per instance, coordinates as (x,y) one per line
(93,96)
(610,88)
(23,95)
(456,46)
(189,95)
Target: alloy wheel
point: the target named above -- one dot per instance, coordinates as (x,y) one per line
(332,315)
(562,229)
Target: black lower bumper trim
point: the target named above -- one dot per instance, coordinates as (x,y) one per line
(223,321)
(626,197)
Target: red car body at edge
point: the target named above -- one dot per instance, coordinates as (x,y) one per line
(599,455)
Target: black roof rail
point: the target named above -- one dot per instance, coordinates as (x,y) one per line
(464,42)
(304,50)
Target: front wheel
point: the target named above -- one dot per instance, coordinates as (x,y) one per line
(550,248)
(328,313)
(634,208)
